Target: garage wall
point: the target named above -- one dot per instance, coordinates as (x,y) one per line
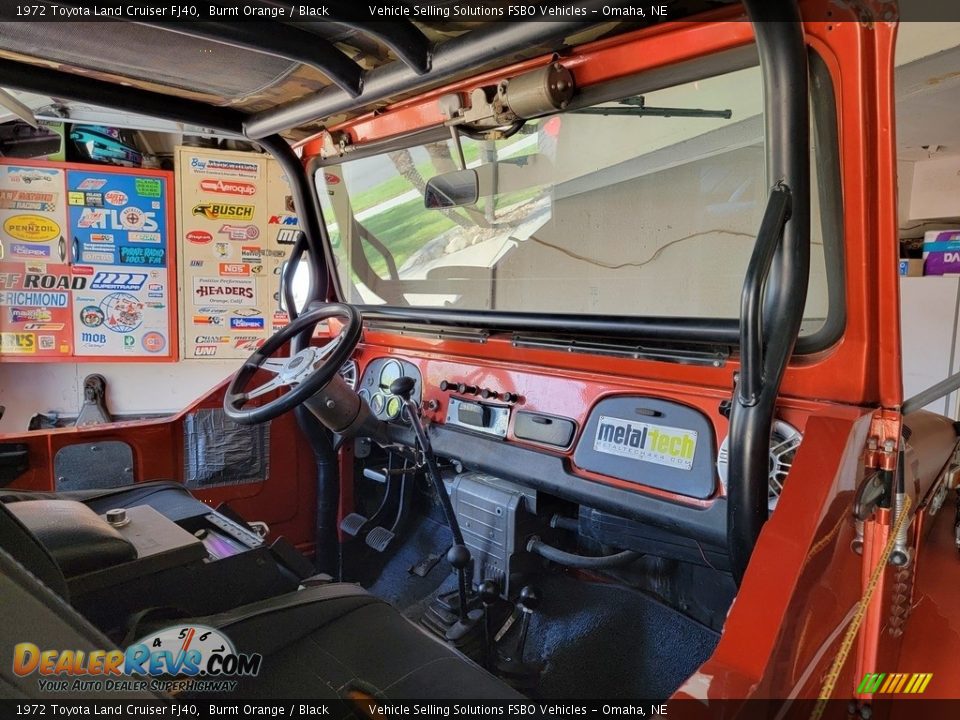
(28,388)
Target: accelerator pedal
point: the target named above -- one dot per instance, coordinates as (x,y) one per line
(379,538)
(353,523)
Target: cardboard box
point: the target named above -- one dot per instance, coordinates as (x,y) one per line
(941,252)
(911,268)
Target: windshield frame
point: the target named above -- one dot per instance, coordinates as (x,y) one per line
(646,328)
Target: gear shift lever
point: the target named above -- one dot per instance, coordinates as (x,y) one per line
(528,601)
(489,595)
(459,554)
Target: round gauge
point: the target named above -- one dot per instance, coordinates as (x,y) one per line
(364,395)
(393,407)
(377,403)
(390,372)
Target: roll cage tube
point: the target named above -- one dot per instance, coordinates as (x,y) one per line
(778,281)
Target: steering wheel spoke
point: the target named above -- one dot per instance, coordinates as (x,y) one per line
(304,373)
(274,383)
(274,365)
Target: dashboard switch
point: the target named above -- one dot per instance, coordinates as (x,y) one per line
(511,397)
(465,389)
(488,394)
(444,385)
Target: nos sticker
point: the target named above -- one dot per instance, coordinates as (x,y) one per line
(659,444)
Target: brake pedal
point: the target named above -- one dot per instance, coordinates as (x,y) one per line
(352,524)
(379,538)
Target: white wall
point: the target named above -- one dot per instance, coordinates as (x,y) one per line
(28,388)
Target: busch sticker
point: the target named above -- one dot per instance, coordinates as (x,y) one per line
(224,211)
(647,442)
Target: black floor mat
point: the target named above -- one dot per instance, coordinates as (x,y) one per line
(597,640)
(387,575)
(608,641)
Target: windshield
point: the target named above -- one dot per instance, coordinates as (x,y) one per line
(646,206)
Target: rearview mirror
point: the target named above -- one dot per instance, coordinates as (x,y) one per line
(453,189)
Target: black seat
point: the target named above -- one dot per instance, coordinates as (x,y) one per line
(329,641)
(165,496)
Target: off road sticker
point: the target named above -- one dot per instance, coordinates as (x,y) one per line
(647,442)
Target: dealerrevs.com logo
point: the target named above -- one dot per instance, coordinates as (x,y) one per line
(179,658)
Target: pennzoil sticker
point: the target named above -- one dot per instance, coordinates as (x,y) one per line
(658,444)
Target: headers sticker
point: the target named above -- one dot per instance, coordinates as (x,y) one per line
(647,442)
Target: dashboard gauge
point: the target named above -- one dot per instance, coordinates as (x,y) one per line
(390,372)
(393,407)
(364,395)
(377,403)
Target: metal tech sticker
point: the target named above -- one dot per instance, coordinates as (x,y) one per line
(647,442)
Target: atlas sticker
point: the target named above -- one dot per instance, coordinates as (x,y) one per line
(31,228)
(224,211)
(658,444)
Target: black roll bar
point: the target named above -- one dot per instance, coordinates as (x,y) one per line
(751,300)
(782,290)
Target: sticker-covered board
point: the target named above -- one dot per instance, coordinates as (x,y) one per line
(122,311)
(88,262)
(229,209)
(35,309)
(32,214)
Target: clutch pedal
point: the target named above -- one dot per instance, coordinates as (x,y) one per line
(353,523)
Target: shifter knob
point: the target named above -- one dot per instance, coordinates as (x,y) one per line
(458,556)
(529,598)
(403,387)
(489,592)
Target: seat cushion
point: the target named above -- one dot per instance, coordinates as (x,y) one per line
(330,641)
(168,498)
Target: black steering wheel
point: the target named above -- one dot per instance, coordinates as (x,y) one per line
(305,373)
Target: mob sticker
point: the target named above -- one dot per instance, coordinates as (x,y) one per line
(659,444)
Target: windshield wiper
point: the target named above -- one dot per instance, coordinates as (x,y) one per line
(637,107)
